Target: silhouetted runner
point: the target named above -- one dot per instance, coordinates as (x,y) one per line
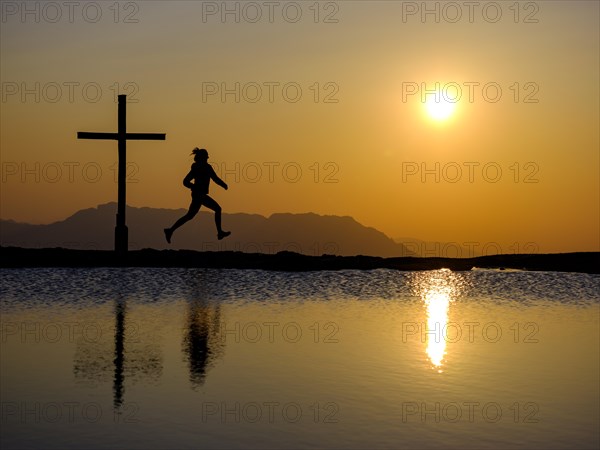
(201,172)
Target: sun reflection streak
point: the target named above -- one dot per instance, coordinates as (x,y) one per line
(437,289)
(437,304)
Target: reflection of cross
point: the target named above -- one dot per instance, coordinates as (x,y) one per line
(119,353)
(122,137)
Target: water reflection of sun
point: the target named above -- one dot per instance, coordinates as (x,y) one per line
(437,304)
(437,289)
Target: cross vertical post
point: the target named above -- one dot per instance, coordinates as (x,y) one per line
(121,232)
(122,136)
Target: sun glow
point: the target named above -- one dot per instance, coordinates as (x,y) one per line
(438,107)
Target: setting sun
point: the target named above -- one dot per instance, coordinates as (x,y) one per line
(439,108)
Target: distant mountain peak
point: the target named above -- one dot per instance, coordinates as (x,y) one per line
(307,233)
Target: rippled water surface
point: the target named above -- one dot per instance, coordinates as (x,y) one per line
(199,358)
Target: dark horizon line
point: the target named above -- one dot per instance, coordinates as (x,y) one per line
(18,257)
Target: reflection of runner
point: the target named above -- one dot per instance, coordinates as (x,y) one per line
(201,172)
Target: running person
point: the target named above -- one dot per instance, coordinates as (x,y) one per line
(201,172)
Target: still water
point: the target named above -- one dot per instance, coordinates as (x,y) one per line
(202,358)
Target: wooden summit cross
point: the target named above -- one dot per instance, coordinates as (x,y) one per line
(122,136)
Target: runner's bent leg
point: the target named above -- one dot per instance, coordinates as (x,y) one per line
(192,211)
(212,204)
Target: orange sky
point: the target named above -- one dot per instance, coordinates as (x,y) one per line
(323,120)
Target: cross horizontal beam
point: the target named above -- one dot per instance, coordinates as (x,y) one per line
(116,136)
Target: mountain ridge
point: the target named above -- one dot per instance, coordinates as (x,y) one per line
(305,233)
